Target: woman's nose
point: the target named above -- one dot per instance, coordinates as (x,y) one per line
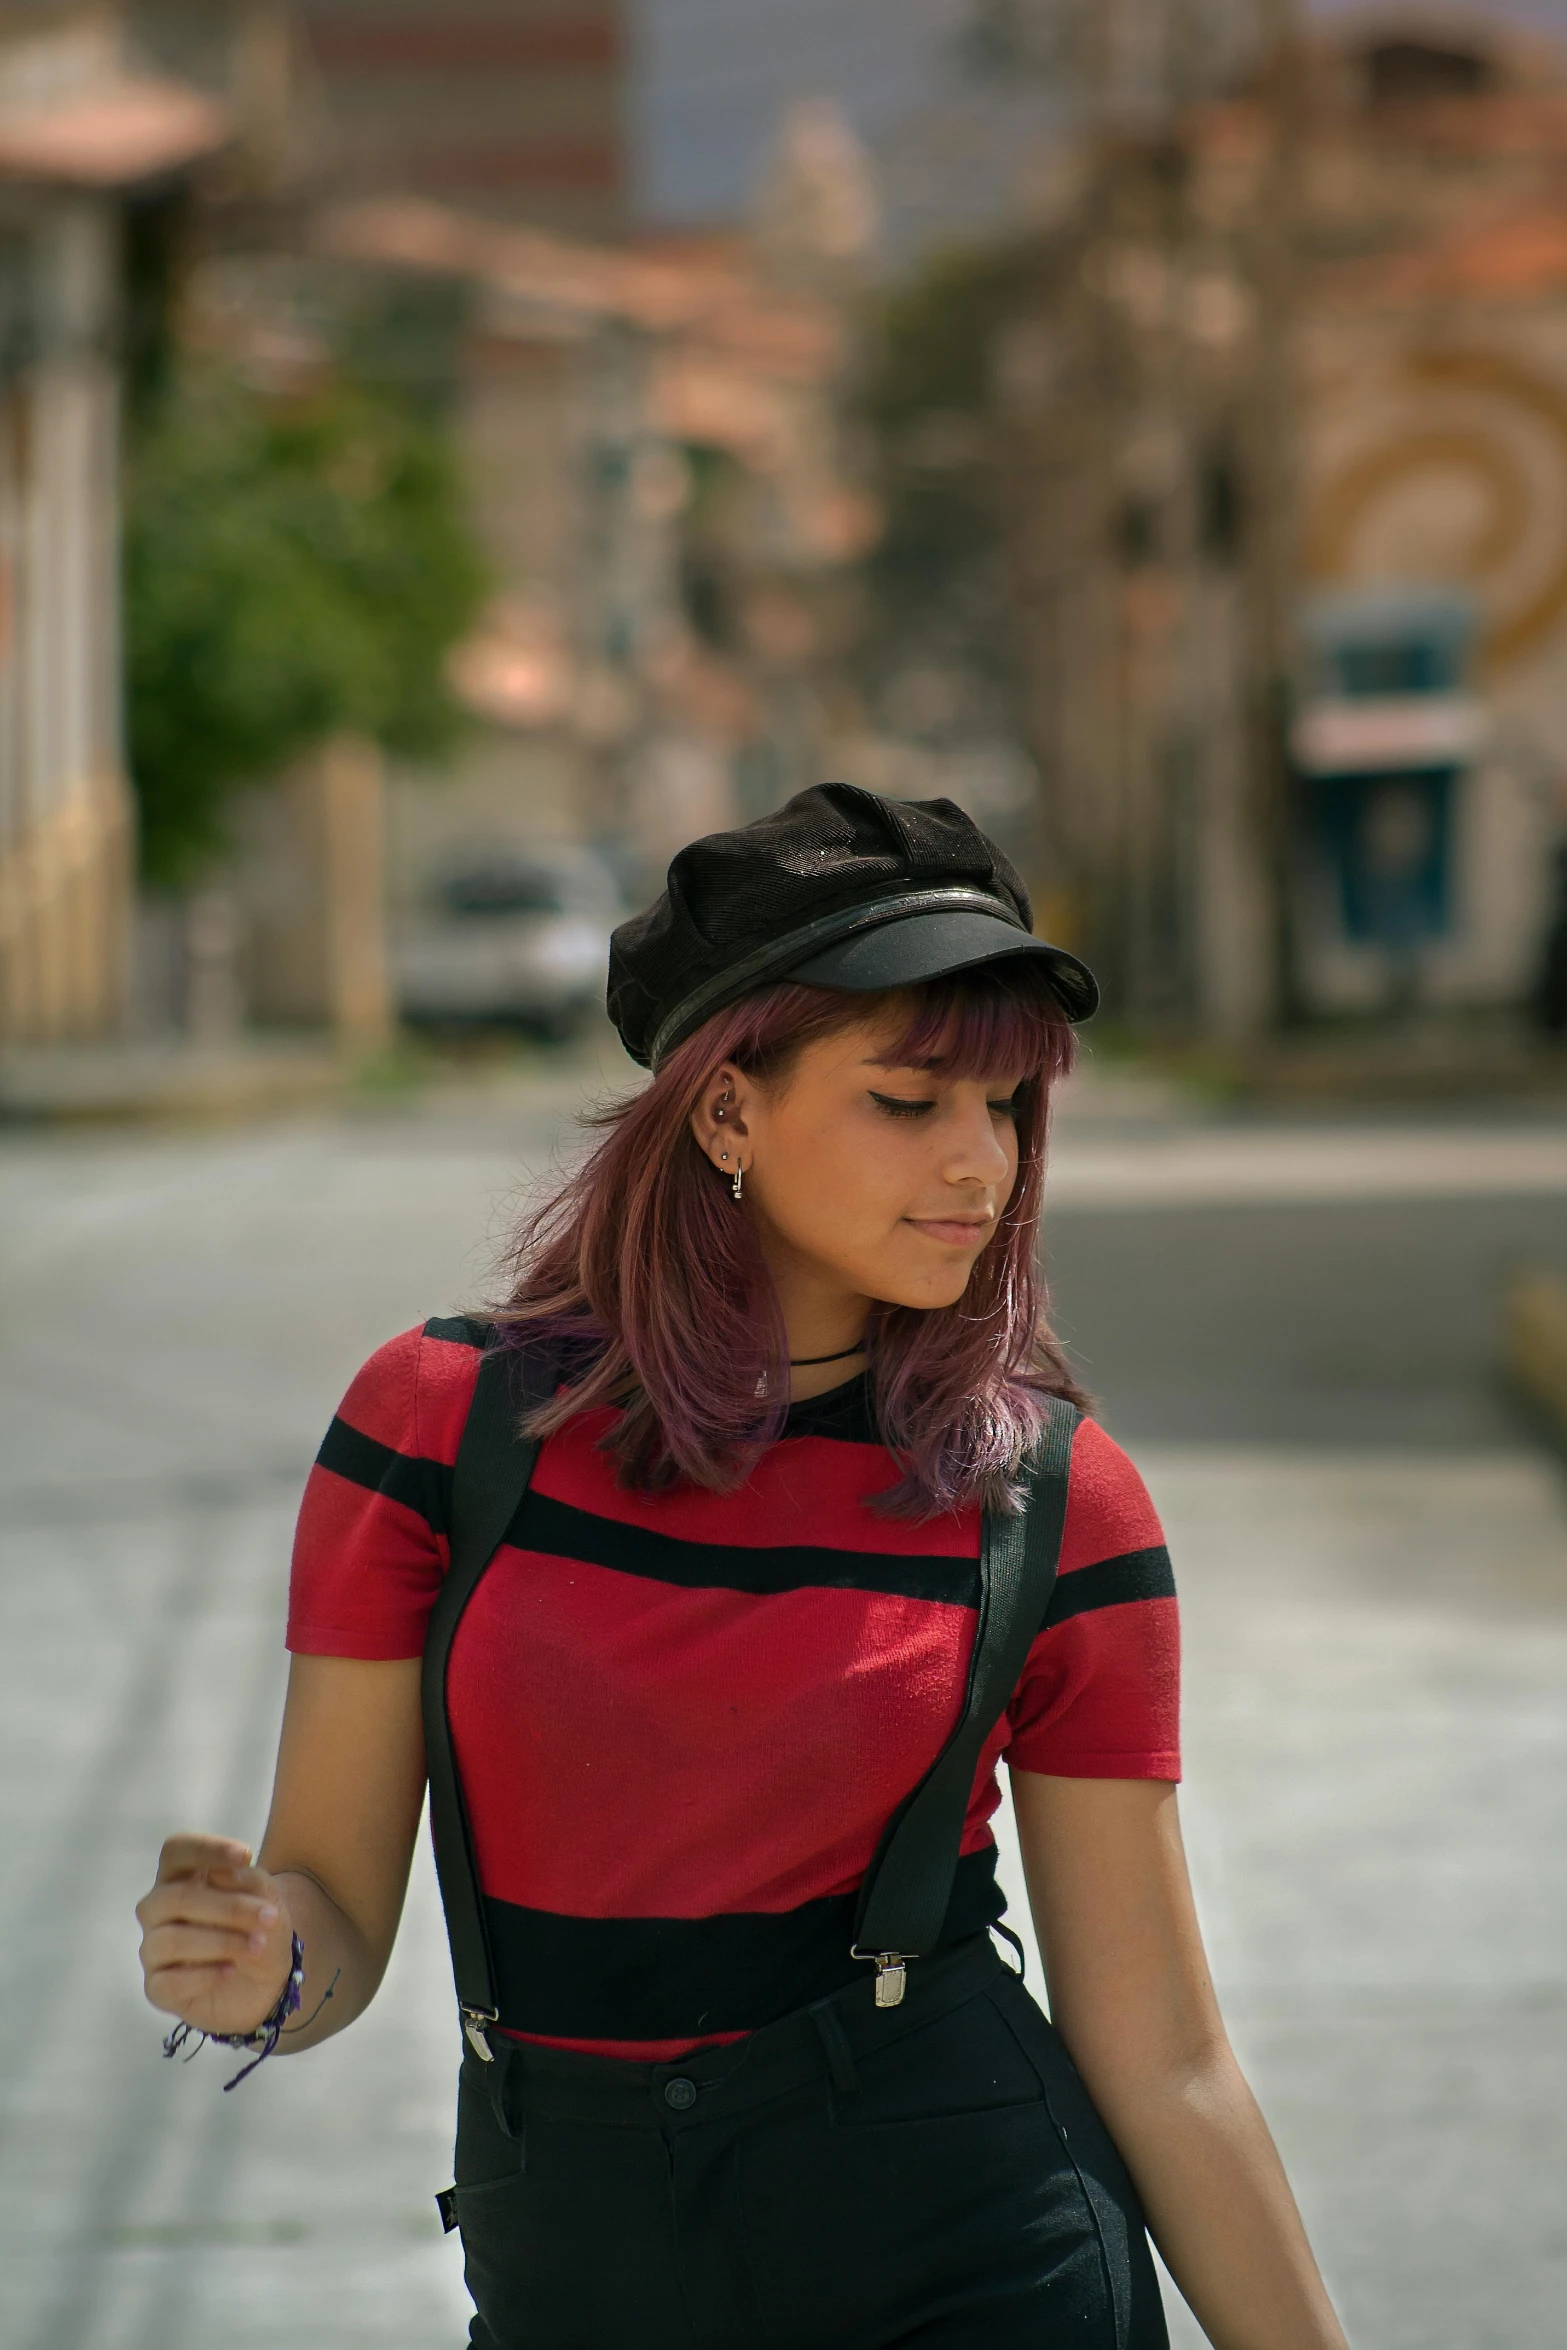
(977,1153)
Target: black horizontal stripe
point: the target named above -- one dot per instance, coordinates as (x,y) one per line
(669,1978)
(425,1486)
(561,1531)
(1136,1574)
(460,1330)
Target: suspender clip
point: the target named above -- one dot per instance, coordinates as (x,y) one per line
(475,2021)
(892,1973)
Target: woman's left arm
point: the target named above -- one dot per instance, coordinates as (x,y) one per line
(1131,1997)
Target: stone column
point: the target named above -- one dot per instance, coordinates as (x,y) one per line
(310,876)
(350,785)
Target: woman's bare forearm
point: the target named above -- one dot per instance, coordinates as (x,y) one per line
(1131,1996)
(217,1931)
(343,1969)
(345,1811)
(1218,2204)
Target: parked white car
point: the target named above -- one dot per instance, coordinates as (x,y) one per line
(511,937)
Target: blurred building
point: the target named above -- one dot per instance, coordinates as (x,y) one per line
(516,108)
(1433,731)
(513,106)
(654,432)
(1281,421)
(663,484)
(80,132)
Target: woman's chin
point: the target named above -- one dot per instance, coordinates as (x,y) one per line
(923,1293)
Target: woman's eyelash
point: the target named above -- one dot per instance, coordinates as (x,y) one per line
(900,1107)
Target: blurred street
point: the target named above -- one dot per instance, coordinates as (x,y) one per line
(451,459)
(1294,1329)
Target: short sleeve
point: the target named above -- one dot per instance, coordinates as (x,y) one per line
(1099,1695)
(370,1548)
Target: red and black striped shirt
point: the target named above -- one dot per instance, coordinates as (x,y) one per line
(682,1720)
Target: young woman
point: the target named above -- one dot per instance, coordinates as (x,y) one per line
(790,1310)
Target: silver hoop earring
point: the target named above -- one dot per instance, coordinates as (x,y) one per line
(739,1179)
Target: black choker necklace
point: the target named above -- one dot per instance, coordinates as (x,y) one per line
(809,1362)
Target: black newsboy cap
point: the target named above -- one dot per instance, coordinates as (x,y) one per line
(839,888)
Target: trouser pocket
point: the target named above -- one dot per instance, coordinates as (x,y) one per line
(939,2195)
(491,2142)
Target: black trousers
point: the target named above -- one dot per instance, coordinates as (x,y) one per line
(850,2178)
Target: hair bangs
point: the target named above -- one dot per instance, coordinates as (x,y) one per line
(995,1021)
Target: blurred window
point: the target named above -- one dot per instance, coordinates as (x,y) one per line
(1401,665)
(1409,73)
(1388,843)
(18,324)
(1219,506)
(1137,532)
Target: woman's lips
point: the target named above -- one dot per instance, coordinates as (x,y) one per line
(952,1231)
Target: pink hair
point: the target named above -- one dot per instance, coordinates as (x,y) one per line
(651,1282)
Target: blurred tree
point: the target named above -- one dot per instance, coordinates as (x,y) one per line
(926,397)
(295,566)
(405,335)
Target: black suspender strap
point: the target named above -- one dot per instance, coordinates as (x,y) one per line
(903,1901)
(494,1466)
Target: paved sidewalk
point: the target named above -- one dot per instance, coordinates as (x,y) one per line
(1376,1635)
(166,1078)
(1376,1806)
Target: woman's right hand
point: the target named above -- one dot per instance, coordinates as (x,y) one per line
(217,1940)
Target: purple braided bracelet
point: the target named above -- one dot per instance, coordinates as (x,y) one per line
(268,2032)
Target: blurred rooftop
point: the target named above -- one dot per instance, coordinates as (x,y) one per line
(708,286)
(74,111)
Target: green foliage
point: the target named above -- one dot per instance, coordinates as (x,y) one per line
(405,334)
(294,568)
(937,331)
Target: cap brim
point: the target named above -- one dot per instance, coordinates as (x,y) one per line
(915,947)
